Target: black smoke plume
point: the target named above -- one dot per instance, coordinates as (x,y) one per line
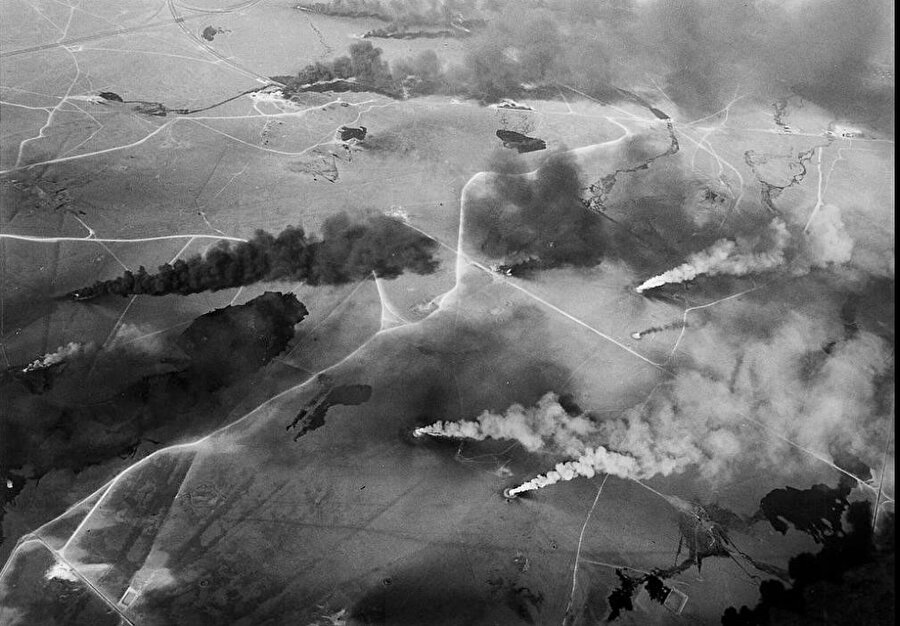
(348,251)
(703,53)
(538,219)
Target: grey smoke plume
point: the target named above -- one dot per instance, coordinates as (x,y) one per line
(732,257)
(545,425)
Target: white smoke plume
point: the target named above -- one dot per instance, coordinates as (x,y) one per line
(129,340)
(827,240)
(732,257)
(779,404)
(547,424)
(593,461)
(71,350)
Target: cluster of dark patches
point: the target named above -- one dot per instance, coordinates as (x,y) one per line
(348,251)
(816,511)
(705,51)
(622,597)
(43,430)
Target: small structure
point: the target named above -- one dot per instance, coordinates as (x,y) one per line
(675,601)
(347,133)
(151,108)
(845,132)
(521,143)
(512,104)
(210,32)
(129,596)
(79,296)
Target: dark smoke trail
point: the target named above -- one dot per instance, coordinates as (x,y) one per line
(658,329)
(348,251)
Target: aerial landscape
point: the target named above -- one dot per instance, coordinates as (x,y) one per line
(448,312)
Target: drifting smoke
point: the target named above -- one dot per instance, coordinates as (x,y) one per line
(714,50)
(703,53)
(770,403)
(348,251)
(827,241)
(547,424)
(72,350)
(735,258)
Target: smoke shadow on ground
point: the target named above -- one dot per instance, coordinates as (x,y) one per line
(219,349)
